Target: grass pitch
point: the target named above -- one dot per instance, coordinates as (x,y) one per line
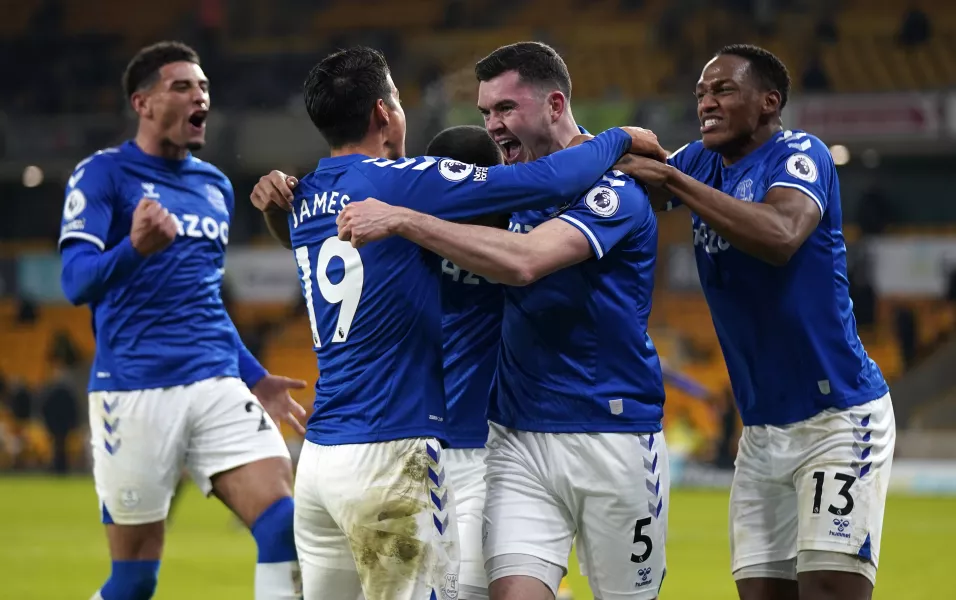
(52,546)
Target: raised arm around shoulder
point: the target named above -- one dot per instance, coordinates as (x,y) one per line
(452,190)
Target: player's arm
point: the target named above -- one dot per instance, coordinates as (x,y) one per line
(505,189)
(88,272)
(591,227)
(251,370)
(772,230)
(89,269)
(660,199)
(273,196)
(504,256)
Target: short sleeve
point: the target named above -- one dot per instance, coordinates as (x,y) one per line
(88,205)
(802,162)
(608,213)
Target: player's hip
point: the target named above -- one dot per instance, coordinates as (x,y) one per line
(781,402)
(585,461)
(860,434)
(155,372)
(577,415)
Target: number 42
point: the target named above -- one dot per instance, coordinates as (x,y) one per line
(346,292)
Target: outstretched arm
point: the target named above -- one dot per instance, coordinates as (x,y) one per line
(510,258)
(772,230)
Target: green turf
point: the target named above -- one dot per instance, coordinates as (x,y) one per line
(52,547)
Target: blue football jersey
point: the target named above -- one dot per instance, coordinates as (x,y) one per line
(165,324)
(471,326)
(787,333)
(575,353)
(376,311)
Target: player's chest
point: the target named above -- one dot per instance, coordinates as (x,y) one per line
(198,206)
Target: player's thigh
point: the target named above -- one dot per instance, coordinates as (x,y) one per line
(466,472)
(324,552)
(842,486)
(826,575)
(763,511)
(621,487)
(393,503)
(524,518)
(138,442)
(235,448)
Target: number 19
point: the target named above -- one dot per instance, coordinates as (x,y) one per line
(347,292)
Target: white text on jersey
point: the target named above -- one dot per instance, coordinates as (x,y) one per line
(322,204)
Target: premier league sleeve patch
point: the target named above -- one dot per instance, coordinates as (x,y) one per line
(454,171)
(74,205)
(603,201)
(802,167)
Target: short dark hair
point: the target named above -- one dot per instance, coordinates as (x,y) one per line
(467,144)
(535,62)
(768,70)
(143,70)
(341,91)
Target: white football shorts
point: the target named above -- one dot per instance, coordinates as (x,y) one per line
(142,440)
(466,472)
(810,487)
(610,490)
(376,519)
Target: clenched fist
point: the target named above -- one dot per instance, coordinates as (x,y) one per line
(153,228)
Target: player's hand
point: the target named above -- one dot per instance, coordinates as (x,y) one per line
(368,221)
(644,169)
(274,192)
(273,393)
(644,143)
(153,227)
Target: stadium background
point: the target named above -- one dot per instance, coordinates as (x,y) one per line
(875,79)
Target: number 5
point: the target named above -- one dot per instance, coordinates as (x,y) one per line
(347,292)
(639,536)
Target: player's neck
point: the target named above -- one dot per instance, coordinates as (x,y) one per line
(372,149)
(564,131)
(154,146)
(758,139)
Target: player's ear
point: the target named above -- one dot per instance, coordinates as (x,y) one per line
(141,104)
(771,102)
(380,116)
(557,105)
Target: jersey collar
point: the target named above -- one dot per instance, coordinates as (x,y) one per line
(157,161)
(756,156)
(339,161)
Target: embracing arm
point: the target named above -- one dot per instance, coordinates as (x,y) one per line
(772,230)
(511,258)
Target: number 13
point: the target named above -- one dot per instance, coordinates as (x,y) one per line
(347,292)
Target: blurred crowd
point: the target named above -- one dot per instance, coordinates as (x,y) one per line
(58,72)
